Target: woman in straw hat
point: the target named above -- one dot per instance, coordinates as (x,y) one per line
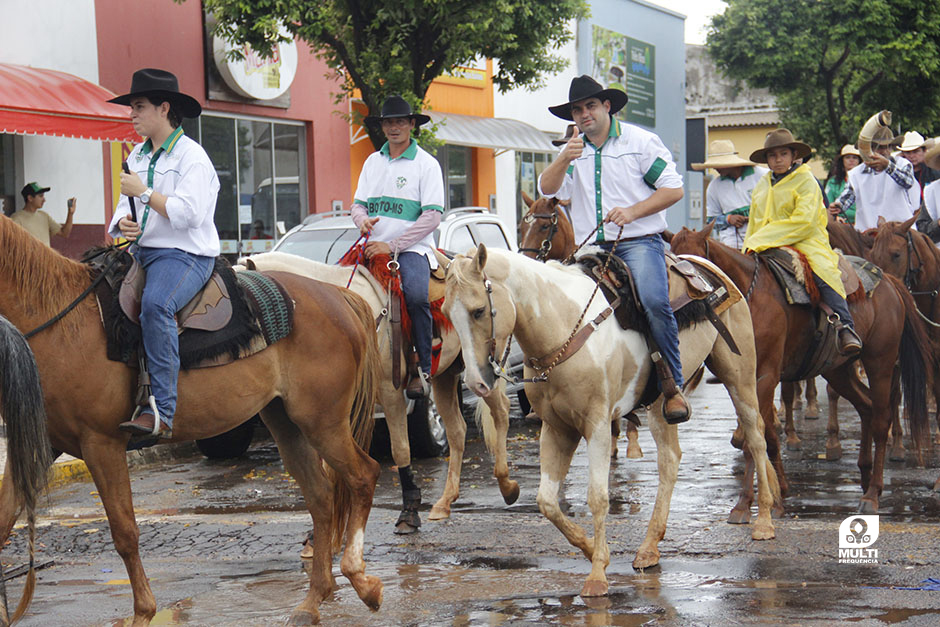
(848,158)
(787,210)
(728,199)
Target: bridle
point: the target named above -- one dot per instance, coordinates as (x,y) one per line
(543,250)
(910,275)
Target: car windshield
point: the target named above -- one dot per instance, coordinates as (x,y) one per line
(324,245)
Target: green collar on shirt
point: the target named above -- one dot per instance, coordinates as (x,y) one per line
(747,171)
(614,131)
(167,145)
(410,152)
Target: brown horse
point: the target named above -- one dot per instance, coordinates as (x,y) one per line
(890,330)
(315,391)
(545,233)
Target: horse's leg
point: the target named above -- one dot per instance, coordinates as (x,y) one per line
(766,384)
(787,395)
(797,391)
(881,380)
(850,388)
(396,419)
(598,448)
(106,460)
(812,406)
(446,397)
(668,454)
(614,436)
(303,463)
(898,452)
(498,405)
(556,448)
(633,438)
(833,446)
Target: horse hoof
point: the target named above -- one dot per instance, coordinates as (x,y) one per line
(777,511)
(867,506)
(306,553)
(739,516)
(371,592)
(763,531)
(645,559)
(811,416)
(405,529)
(897,455)
(594,588)
(511,495)
(834,454)
(794,445)
(304,617)
(439,512)
(737,442)
(634,452)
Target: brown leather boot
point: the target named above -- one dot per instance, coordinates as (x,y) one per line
(142,425)
(418,386)
(849,342)
(676,409)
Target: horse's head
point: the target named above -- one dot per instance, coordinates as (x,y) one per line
(545,232)
(689,242)
(891,247)
(483,314)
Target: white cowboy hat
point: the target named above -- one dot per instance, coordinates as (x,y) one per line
(932,156)
(911,140)
(721,154)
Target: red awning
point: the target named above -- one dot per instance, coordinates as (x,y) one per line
(35,101)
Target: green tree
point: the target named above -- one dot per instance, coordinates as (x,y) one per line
(400,46)
(831,64)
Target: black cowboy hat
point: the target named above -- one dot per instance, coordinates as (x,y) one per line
(584,87)
(397,107)
(151,82)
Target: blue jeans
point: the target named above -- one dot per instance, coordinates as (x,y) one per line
(645,256)
(415,273)
(173,278)
(835,302)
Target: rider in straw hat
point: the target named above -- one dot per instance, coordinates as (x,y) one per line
(930,208)
(620,175)
(787,210)
(912,147)
(728,199)
(883,187)
(175,187)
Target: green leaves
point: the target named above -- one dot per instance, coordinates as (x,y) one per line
(833,63)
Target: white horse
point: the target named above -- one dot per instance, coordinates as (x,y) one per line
(540,304)
(444,385)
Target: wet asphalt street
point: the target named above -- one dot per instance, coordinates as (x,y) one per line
(221,541)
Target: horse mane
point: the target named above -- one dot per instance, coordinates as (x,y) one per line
(41,278)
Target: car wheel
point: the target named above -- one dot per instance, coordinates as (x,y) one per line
(426,431)
(227,445)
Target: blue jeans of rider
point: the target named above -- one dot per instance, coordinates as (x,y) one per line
(645,256)
(173,278)
(834,300)
(415,274)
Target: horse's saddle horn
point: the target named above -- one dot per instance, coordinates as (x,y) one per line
(209,310)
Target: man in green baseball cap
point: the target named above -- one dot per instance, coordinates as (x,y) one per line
(40,224)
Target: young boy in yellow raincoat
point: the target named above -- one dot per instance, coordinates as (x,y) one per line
(787,210)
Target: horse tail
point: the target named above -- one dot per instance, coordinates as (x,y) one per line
(362,414)
(484,418)
(28,449)
(918,365)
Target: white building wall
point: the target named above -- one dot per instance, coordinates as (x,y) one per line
(57,35)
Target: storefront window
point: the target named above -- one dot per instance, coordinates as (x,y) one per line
(529,166)
(254,207)
(456,164)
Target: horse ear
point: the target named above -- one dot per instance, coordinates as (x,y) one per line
(479,258)
(442,259)
(708,229)
(667,235)
(527,200)
(906,225)
(881,220)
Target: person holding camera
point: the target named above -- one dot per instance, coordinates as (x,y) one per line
(40,224)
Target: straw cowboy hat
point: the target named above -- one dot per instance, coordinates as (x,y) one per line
(932,156)
(849,149)
(721,154)
(160,83)
(397,107)
(911,140)
(781,138)
(584,87)
(570,132)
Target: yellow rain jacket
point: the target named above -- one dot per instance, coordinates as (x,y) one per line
(791,213)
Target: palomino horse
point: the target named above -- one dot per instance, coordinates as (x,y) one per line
(889,327)
(444,383)
(545,233)
(314,389)
(492,295)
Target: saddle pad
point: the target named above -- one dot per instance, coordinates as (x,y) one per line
(787,266)
(271,304)
(869,275)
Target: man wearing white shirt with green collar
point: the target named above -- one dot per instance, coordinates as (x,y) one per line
(175,187)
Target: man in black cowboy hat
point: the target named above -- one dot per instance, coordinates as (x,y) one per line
(175,187)
(620,175)
(399,202)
